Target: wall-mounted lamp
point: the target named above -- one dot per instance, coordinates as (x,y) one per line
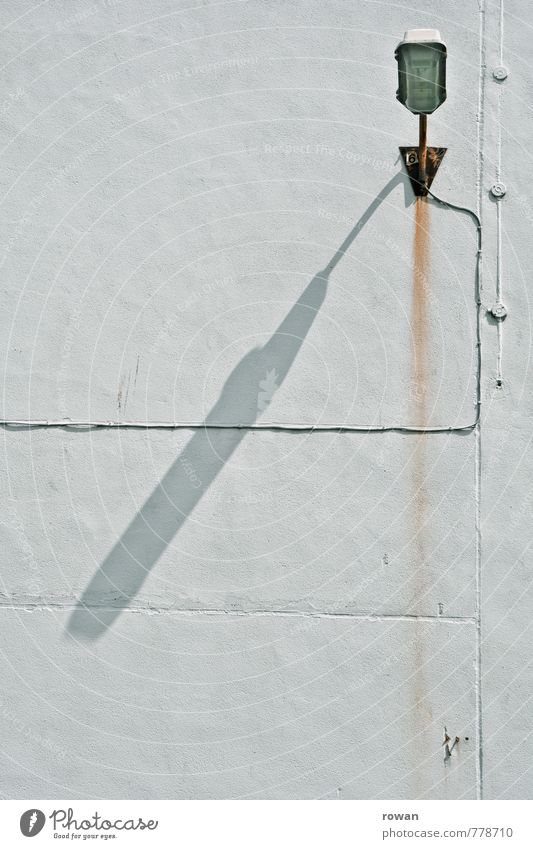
(421,58)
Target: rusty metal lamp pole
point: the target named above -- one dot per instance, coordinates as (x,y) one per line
(422,149)
(421,58)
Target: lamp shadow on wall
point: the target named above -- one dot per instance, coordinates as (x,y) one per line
(126,567)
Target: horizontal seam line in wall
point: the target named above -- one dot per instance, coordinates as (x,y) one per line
(309,428)
(302,614)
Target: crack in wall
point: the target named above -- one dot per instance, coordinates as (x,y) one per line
(29,606)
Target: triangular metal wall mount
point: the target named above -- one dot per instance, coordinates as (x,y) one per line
(410,160)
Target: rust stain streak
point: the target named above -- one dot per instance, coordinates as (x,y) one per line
(420,353)
(419,415)
(419,309)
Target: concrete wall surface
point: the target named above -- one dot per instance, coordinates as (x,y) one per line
(285,590)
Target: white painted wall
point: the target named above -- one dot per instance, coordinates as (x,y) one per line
(205,219)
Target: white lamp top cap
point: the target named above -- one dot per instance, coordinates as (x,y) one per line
(422,35)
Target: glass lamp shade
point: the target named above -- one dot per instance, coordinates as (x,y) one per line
(421,71)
